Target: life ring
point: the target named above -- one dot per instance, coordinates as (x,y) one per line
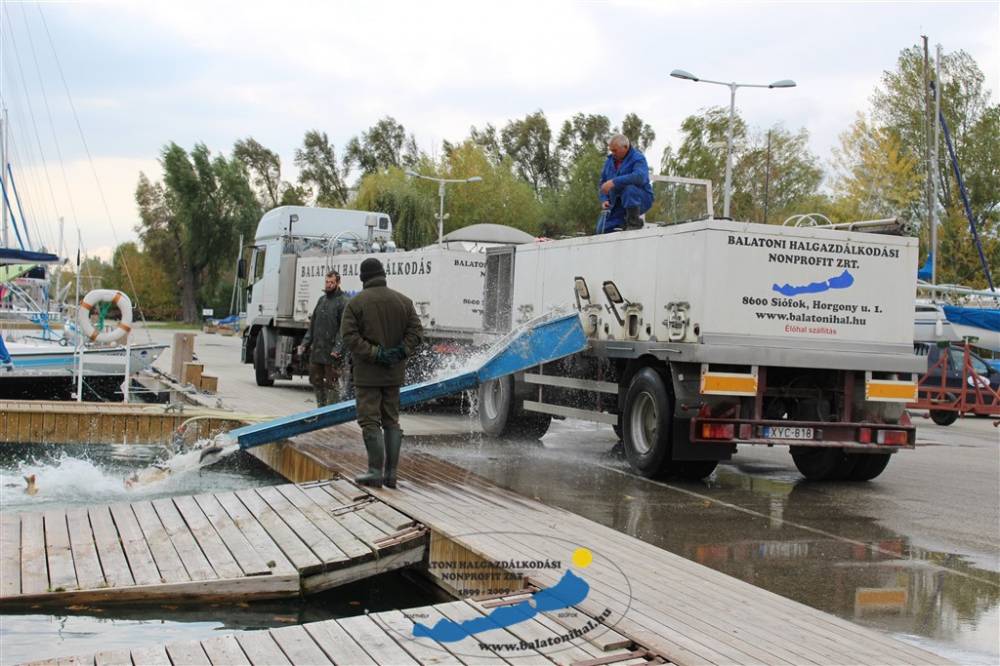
(96,296)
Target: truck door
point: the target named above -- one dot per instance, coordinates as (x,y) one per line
(498,289)
(255,275)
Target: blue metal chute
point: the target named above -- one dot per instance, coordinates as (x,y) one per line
(546,339)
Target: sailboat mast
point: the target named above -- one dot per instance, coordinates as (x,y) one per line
(3,172)
(934,165)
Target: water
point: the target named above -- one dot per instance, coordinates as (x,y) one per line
(74,475)
(85,630)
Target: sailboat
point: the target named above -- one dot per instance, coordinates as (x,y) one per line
(954,313)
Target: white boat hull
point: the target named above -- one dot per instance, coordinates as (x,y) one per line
(55,361)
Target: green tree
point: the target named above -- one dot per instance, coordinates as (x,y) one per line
(583,131)
(639,133)
(264,167)
(411,207)
(319,171)
(191,222)
(150,289)
(380,147)
(575,208)
(528,144)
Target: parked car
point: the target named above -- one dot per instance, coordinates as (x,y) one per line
(985,374)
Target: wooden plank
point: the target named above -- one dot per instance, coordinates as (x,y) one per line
(460,611)
(62,575)
(376,641)
(224,651)
(168,562)
(154,655)
(338,644)
(255,534)
(85,560)
(318,542)
(467,649)
(330,526)
(424,650)
(394,519)
(246,557)
(34,576)
(299,646)
(195,562)
(290,544)
(353,521)
(345,490)
(140,560)
(113,658)
(261,649)
(211,544)
(189,653)
(10,560)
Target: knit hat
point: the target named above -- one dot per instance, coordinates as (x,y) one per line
(370,268)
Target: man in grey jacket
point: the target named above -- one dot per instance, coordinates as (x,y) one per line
(323,342)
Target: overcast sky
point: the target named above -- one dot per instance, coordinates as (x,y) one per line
(142,73)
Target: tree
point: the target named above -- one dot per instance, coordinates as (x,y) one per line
(875,176)
(528,144)
(411,208)
(575,208)
(192,220)
(264,167)
(639,133)
(582,131)
(488,141)
(150,289)
(318,170)
(380,147)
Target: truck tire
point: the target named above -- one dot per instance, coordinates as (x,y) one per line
(260,372)
(869,466)
(501,414)
(819,463)
(943,417)
(647,423)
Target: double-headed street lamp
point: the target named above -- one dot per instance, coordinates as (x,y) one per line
(784,83)
(441,183)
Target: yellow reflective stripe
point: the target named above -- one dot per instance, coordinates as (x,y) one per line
(891,390)
(729,384)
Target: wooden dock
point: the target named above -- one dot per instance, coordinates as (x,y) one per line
(57,422)
(387,638)
(264,542)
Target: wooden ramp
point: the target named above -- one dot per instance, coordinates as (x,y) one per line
(387,638)
(677,608)
(263,542)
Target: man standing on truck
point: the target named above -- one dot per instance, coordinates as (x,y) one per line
(625,190)
(323,342)
(381,329)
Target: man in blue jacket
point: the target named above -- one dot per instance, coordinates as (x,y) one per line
(625,191)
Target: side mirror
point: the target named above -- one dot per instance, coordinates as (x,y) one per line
(241,269)
(611,291)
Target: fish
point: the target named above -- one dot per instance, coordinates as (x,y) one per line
(152,474)
(32,487)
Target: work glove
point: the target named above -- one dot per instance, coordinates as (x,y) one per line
(382,356)
(397,353)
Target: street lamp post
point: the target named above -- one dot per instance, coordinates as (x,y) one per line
(441,185)
(783,83)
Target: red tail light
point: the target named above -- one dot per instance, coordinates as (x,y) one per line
(894,437)
(717,430)
(865,435)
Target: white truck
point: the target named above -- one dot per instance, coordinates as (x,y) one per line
(294,248)
(715,333)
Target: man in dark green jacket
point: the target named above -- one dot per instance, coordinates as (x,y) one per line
(381,329)
(323,342)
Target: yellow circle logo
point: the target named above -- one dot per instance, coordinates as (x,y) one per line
(582,557)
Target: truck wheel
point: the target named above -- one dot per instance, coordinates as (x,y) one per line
(501,415)
(263,377)
(647,421)
(869,466)
(695,470)
(818,463)
(943,417)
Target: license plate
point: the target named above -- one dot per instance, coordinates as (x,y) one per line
(787,432)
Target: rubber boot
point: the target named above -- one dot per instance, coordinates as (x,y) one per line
(375,445)
(393,443)
(632,220)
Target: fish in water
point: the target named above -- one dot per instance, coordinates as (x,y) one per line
(32,487)
(149,475)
